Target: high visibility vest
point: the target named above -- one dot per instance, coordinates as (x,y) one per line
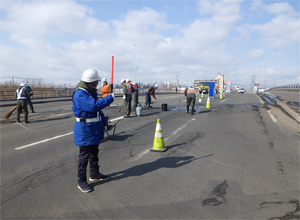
(134,86)
(129,88)
(148,89)
(105,88)
(20,94)
(191,90)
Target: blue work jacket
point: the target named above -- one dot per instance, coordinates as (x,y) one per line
(85,105)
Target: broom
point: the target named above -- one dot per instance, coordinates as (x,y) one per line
(6,115)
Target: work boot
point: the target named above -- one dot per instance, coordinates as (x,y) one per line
(18,120)
(33,111)
(126,116)
(188,109)
(26,122)
(193,110)
(84,186)
(98,177)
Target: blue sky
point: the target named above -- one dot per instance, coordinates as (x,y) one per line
(56,40)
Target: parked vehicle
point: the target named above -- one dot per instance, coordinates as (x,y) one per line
(242,90)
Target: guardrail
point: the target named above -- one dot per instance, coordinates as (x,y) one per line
(10,94)
(287,88)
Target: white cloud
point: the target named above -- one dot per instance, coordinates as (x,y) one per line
(48,18)
(280,31)
(254,55)
(58,40)
(225,13)
(276,8)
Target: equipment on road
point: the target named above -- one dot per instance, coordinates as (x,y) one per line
(164,107)
(6,115)
(158,143)
(138,111)
(208,102)
(158,101)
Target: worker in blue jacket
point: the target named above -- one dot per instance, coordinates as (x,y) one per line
(89,127)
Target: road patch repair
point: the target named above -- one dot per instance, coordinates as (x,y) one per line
(198,108)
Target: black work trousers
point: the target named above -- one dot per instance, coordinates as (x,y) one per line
(22,107)
(88,154)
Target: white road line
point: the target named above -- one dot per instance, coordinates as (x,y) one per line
(140,155)
(116,118)
(178,129)
(223,100)
(272,116)
(59,115)
(43,141)
(23,126)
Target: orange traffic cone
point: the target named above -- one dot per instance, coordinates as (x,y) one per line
(158,143)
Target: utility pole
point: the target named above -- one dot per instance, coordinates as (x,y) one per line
(177,81)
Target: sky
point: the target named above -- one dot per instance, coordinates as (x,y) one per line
(151,41)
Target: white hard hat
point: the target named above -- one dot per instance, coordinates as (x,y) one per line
(127,80)
(104,80)
(22,84)
(156,85)
(122,80)
(90,75)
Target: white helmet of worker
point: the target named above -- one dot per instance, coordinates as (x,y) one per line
(122,80)
(127,80)
(190,85)
(156,85)
(104,80)
(22,84)
(90,75)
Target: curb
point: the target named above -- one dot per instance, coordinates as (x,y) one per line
(290,111)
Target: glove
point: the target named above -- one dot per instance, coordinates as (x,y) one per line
(113,95)
(124,97)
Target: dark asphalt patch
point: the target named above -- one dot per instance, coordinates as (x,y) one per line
(288,215)
(217,196)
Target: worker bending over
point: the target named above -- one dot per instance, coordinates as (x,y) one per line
(190,99)
(150,91)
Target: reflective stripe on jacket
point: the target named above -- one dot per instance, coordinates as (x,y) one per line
(85,105)
(20,94)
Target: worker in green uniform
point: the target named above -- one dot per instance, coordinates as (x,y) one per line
(22,95)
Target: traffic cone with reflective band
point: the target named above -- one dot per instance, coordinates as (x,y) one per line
(208,102)
(202,96)
(221,95)
(158,143)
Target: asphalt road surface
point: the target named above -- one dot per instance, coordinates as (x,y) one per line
(237,160)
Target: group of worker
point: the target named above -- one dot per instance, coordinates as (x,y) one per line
(90,121)
(23,94)
(130,94)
